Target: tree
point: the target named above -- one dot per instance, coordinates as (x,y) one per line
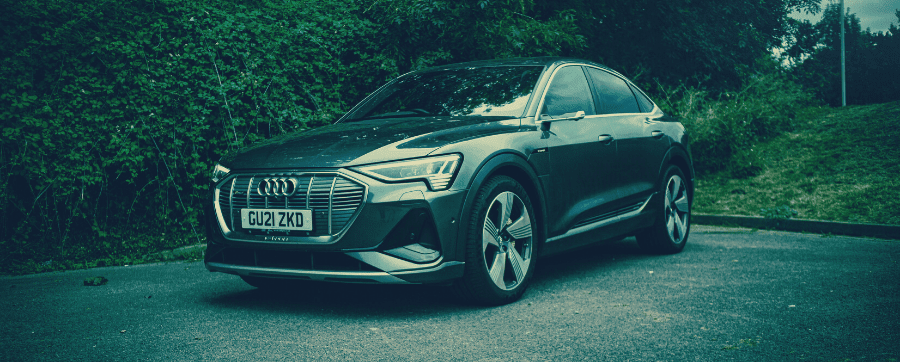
(872,59)
(421,33)
(677,40)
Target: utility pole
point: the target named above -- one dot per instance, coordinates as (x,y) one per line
(843,69)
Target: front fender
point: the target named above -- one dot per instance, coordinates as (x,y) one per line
(508,164)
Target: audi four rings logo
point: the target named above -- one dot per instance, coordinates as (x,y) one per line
(277,187)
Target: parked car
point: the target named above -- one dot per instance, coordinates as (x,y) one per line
(463,174)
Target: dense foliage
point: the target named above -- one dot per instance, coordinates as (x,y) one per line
(725,128)
(113,113)
(677,40)
(872,59)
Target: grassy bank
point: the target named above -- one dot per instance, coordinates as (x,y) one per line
(840,164)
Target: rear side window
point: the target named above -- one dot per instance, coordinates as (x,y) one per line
(643,101)
(568,93)
(614,94)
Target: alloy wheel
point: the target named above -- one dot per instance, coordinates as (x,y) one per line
(507,240)
(677,209)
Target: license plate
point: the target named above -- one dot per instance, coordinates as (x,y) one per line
(276,219)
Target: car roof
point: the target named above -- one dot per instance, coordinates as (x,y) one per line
(536,61)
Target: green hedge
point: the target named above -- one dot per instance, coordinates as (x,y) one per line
(113,113)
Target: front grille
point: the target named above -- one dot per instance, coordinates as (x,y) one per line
(333,199)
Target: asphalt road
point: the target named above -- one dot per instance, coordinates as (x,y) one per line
(733,294)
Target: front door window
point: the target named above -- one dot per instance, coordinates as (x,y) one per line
(569,93)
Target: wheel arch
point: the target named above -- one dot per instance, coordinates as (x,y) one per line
(679,157)
(505,164)
(655,238)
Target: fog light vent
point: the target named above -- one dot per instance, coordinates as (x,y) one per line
(415,253)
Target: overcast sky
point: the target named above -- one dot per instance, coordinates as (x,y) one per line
(874,14)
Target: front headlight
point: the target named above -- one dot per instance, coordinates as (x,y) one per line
(437,171)
(219,172)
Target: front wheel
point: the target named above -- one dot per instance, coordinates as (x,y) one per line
(500,244)
(670,231)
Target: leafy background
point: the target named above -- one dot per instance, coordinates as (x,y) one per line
(114,112)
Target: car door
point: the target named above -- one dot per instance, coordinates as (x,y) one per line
(581,153)
(640,142)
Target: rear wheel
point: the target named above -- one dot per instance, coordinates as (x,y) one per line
(500,244)
(669,232)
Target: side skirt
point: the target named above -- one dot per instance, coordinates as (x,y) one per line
(620,222)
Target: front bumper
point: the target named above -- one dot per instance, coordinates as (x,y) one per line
(403,233)
(441,272)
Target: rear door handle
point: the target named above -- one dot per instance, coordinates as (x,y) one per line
(657,134)
(606,139)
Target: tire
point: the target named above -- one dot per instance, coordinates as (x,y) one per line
(499,260)
(671,228)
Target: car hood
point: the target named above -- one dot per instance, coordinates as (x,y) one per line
(363,142)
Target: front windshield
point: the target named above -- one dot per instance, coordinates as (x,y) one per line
(487,91)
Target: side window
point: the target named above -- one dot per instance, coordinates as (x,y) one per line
(614,94)
(568,93)
(643,101)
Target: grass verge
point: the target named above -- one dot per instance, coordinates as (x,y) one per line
(840,164)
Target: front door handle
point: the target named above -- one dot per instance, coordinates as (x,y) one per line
(606,139)
(657,134)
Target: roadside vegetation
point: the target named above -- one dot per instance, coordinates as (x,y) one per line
(837,164)
(725,127)
(113,113)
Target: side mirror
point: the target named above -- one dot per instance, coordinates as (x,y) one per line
(545,120)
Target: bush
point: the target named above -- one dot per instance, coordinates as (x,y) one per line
(114,114)
(723,128)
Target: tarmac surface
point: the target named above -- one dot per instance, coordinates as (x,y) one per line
(733,294)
